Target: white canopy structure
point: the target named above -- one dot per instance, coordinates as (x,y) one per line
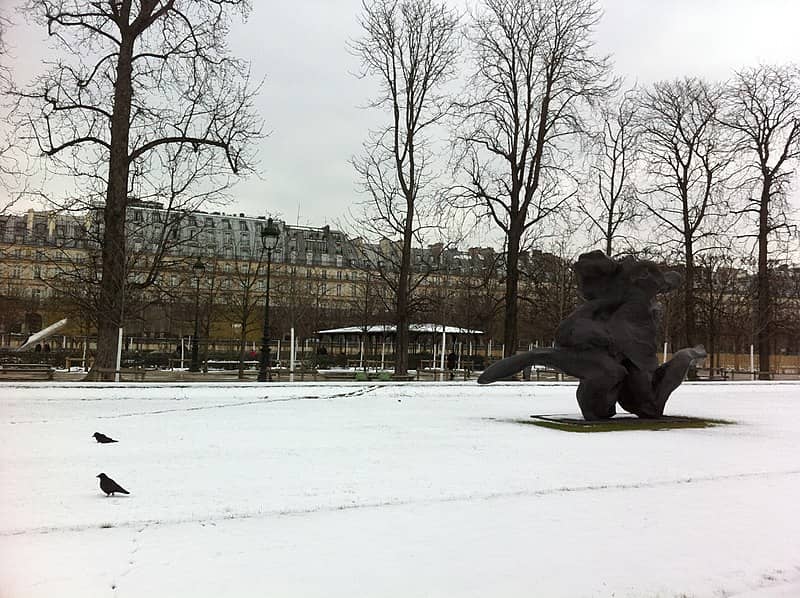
(391,328)
(432,336)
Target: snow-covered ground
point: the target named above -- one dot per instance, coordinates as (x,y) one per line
(419,489)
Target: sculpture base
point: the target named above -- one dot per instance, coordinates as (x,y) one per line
(621,423)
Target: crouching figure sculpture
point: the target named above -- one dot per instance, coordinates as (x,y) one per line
(609,342)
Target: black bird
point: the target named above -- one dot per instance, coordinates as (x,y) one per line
(109,486)
(102,438)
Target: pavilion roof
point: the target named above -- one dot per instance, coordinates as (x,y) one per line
(390,328)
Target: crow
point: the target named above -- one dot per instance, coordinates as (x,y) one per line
(109,486)
(102,438)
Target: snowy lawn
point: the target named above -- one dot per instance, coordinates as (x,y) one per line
(418,489)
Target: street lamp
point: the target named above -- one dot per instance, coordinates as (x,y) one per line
(269,240)
(198,269)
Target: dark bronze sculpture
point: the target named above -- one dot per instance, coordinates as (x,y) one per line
(609,343)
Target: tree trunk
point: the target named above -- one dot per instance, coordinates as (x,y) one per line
(510,333)
(401,342)
(764,309)
(242,348)
(689,300)
(112,284)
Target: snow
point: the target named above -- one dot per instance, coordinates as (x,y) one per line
(393,489)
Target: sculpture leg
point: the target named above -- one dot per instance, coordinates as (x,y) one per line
(637,395)
(601,376)
(515,363)
(669,375)
(596,399)
(581,364)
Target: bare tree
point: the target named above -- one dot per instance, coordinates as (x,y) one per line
(411,47)
(609,202)
(687,162)
(535,72)
(550,287)
(244,303)
(763,111)
(476,298)
(722,305)
(10,166)
(365,307)
(141,88)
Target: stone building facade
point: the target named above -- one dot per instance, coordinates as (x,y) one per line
(50,264)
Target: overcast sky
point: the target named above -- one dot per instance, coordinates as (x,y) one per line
(311,99)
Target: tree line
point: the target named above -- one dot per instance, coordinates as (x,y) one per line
(545,140)
(505,119)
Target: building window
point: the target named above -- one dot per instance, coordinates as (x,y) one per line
(338,290)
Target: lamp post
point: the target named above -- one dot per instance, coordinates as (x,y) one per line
(269,240)
(198,269)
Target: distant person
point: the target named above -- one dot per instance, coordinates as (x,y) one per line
(38,348)
(451,363)
(47,347)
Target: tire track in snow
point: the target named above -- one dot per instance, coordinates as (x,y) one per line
(262,401)
(400,502)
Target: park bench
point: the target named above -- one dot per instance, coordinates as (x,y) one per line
(18,372)
(300,374)
(125,374)
(337,374)
(303,372)
(712,374)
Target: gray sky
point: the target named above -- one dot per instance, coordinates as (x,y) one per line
(310,100)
